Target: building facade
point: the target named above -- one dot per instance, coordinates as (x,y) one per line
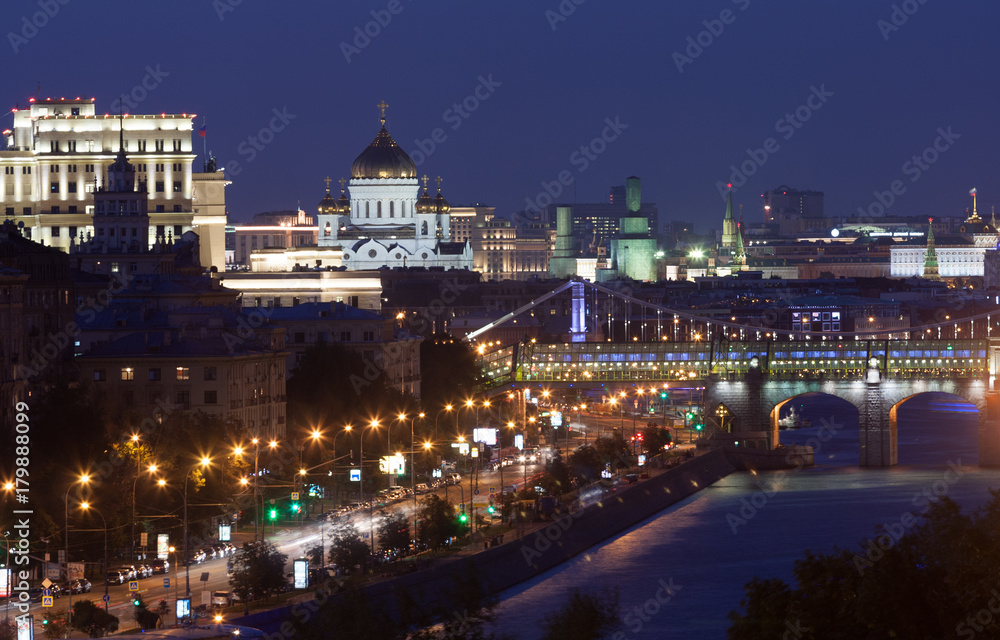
(57,156)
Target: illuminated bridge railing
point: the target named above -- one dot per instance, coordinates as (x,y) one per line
(677,361)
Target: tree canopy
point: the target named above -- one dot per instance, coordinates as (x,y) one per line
(916,579)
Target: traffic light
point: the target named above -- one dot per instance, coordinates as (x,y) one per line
(663,395)
(274,514)
(463,518)
(136,602)
(698,427)
(295,507)
(45,622)
(490,509)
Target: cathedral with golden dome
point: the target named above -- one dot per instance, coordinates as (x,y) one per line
(386,218)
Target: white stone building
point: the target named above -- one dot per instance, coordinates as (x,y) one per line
(57,155)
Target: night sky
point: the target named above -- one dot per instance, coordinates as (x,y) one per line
(549,82)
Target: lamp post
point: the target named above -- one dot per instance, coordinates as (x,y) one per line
(346,429)
(204,462)
(413,481)
(84,479)
(361,477)
(173,552)
(88,507)
(152,469)
(447,407)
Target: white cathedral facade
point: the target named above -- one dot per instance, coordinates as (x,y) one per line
(388,221)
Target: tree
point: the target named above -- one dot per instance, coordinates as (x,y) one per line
(556,480)
(438,522)
(655,438)
(448,371)
(52,626)
(613,450)
(584,617)
(349,550)
(335,385)
(587,463)
(93,620)
(394,533)
(919,580)
(258,569)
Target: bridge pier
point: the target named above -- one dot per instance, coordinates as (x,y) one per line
(989,431)
(877,443)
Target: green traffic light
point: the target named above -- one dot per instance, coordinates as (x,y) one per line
(136,602)
(462,518)
(45,622)
(295,507)
(274,514)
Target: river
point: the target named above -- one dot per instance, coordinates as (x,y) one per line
(708,546)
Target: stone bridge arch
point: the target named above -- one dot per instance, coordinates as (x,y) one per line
(754,422)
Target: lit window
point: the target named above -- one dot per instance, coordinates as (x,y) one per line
(183,373)
(128,374)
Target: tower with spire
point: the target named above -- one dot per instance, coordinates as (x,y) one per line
(121,207)
(729,227)
(930,259)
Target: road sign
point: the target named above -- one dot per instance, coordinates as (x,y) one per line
(46,592)
(166,583)
(355,475)
(46,583)
(493,490)
(475,492)
(46,601)
(295,495)
(106,598)
(133,585)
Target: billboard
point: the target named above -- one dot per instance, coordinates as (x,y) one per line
(485,435)
(555,419)
(5,579)
(519,441)
(162,546)
(394,464)
(301,574)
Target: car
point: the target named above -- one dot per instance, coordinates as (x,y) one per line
(199,556)
(129,571)
(421,488)
(115,577)
(447,465)
(209,553)
(453,478)
(510,490)
(144,571)
(222,598)
(160,566)
(84,585)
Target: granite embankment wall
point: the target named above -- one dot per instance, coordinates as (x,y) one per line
(509,564)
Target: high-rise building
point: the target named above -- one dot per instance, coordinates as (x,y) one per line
(783,203)
(57,156)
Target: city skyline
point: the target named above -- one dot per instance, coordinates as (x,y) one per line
(562,98)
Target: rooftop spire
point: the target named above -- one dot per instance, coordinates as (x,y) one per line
(382,107)
(930,260)
(729,203)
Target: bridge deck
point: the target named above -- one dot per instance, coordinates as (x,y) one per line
(597,362)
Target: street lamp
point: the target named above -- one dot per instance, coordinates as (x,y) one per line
(204,462)
(413,481)
(152,469)
(447,407)
(84,479)
(361,478)
(346,429)
(88,507)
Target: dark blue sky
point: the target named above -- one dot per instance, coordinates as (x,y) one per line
(556,88)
